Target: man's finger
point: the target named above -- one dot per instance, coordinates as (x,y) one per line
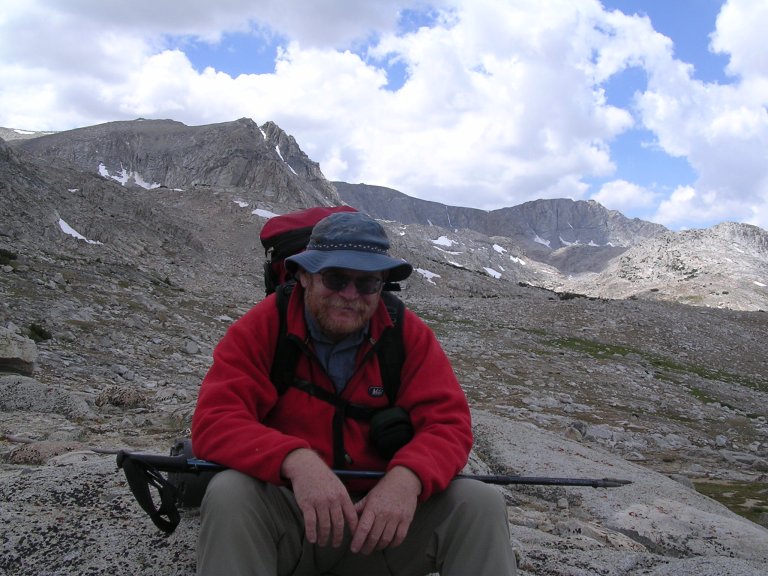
(360,535)
(374,537)
(385,540)
(323,526)
(337,526)
(350,515)
(310,525)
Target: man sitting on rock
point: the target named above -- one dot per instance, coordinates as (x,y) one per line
(280,509)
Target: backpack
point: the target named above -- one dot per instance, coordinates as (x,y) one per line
(286,235)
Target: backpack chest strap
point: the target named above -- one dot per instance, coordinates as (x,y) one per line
(346,408)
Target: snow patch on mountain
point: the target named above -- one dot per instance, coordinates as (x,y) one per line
(67,229)
(125,176)
(428,275)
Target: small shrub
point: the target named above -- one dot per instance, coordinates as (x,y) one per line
(38,333)
(6,257)
(569,295)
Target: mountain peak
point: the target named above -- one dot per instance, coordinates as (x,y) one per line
(263,162)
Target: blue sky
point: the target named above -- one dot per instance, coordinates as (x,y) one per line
(688,23)
(655,108)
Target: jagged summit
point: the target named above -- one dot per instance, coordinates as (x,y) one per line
(166,153)
(573,236)
(561,222)
(552,223)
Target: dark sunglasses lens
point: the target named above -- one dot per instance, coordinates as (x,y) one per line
(336,282)
(367,284)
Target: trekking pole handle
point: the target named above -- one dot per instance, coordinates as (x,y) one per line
(178,463)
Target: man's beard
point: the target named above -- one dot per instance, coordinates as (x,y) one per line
(323,311)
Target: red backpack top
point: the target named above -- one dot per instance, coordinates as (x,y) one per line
(286,235)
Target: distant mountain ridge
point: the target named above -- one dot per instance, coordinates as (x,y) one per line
(9,134)
(723,264)
(553,223)
(540,227)
(209,189)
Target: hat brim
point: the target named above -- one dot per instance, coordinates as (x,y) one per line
(314,261)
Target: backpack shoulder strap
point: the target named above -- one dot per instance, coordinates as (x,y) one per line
(287,353)
(390,349)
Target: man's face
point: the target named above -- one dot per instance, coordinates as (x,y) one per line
(341,311)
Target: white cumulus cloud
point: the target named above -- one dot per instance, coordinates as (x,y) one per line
(500,102)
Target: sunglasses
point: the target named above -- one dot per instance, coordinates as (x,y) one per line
(336,282)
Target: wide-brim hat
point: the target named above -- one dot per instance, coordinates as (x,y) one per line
(350,240)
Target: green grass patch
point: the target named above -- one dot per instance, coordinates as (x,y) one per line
(592,348)
(707,399)
(441,323)
(708,373)
(601,350)
(747,499)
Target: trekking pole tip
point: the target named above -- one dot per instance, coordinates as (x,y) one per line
(615,482)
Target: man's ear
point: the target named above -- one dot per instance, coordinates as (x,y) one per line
(303,277)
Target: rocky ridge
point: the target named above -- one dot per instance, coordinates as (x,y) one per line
(541,229)
(568,246)
(164,153)
(724,266)
(583,248)
(556,223)
(104,346)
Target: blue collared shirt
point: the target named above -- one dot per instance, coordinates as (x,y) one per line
(337,358)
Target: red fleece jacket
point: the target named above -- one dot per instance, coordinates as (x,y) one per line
(242,423)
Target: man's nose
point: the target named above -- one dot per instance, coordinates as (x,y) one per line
(350,290)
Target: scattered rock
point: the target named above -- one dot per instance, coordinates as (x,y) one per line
(721,441)
(122,397)
(191,347)
(19,393)
(41,452)
(17,353)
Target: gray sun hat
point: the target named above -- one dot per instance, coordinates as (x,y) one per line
(349,240)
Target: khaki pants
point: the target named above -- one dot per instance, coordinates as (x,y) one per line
(250,527)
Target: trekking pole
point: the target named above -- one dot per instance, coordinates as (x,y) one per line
(182,464)
(503,480)
(187,478)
